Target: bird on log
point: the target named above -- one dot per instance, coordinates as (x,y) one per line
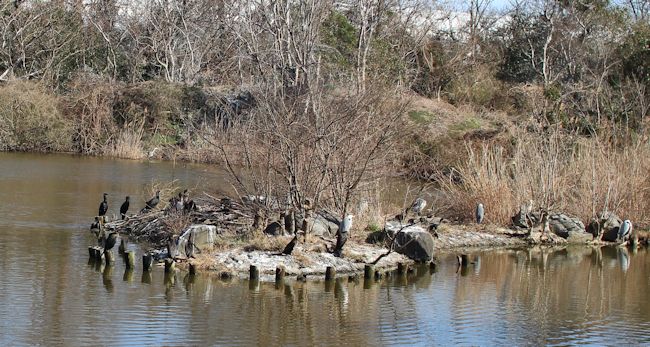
(152,203)
(125,207)
(110,241)
(103,206)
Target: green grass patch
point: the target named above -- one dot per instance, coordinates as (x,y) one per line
(421,117)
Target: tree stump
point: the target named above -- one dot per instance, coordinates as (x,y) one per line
(368,271)
(254,273)
(147,261)
(129,260)
(192,269)
(109,257)
(401,268)
(279,273)
(330,273)
(170,265)
(122,248)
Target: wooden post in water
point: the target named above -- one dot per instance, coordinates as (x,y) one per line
(91,252)
(122,248)
(147,261)
(368,271)
(401,268)
(129,260)
(254,273)
(330,273)
(170,265)
(279,273)
(192,269)
(110,258)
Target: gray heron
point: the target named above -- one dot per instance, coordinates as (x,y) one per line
(418,206)
(480,213)
(624,231)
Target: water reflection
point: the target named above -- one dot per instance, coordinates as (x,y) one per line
(52,295)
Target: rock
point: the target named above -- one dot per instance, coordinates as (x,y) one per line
(275,229)
(415,243)
(323,224)
(607,227)
(204,237)
(569,228)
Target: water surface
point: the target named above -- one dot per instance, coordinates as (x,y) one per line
(50,295)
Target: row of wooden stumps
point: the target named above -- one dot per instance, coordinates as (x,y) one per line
(369,272)
(97,254)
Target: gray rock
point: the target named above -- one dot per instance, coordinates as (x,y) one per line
(415,243)
(569,228)
(204,237)
(323,224)
(274,229)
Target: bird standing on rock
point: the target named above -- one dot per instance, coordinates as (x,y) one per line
(480,213)
(289,247)
(103,206)
(344,228)
(624,231)
(418,206)
(125,207)
(189,246)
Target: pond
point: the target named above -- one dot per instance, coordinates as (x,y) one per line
(50,295)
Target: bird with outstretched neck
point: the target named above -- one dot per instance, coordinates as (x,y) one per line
(103,206)
(125,207)
(153,202)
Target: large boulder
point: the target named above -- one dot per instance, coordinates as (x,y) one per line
(569,228)
(415,243)
(411,240)
(204,237)
(323,224)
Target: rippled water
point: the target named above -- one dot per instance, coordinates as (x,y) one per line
(50,295)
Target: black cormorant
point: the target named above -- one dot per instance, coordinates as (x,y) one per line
(189,246)
(125,207)
(153,202)
(110,241)
(289,247)
(96,226)
(103,206)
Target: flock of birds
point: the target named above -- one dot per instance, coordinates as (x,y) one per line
(181,203)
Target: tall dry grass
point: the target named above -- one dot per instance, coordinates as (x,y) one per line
(582,177)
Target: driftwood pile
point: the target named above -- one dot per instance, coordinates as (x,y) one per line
(159,226)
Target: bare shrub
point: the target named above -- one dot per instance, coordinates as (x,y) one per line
(89,104)
(583,177)
(128,145)
(30,120)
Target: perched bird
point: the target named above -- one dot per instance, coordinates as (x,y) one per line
(346,224)
(103,206)
(418,206)
(624,231)
(153,202)
(289,247)
(480,213)
(96,226)
(110,241)
(344,229)
(125,207)
(172,247)
(189,246)
(180,202)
